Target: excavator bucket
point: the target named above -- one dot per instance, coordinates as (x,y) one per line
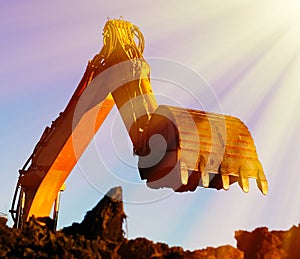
(189,148)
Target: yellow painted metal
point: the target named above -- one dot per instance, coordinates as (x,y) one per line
(40,198)
(216,149)
(199,144)
(134,98)
(63,143)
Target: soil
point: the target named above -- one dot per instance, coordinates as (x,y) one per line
(100,235)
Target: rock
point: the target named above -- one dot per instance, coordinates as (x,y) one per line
(262,243)
(290,241)
(259,243)
(3,220)
(104,220)
(222,252)
(139,248)
(227,252)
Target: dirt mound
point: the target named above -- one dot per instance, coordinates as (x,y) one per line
(100,235)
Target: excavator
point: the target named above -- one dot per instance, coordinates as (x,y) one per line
(177,148)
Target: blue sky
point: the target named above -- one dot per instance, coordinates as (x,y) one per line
(247,52)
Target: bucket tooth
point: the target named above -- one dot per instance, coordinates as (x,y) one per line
(261,180)
(184,174)
(202,163)
(244,183)
(205,179)
(226,182)
(262,185)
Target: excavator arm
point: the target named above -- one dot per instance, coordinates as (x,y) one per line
(177,147)
(117,74)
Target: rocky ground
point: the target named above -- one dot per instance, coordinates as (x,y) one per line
(100,235)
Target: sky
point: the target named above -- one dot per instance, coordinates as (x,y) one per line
(240,58)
